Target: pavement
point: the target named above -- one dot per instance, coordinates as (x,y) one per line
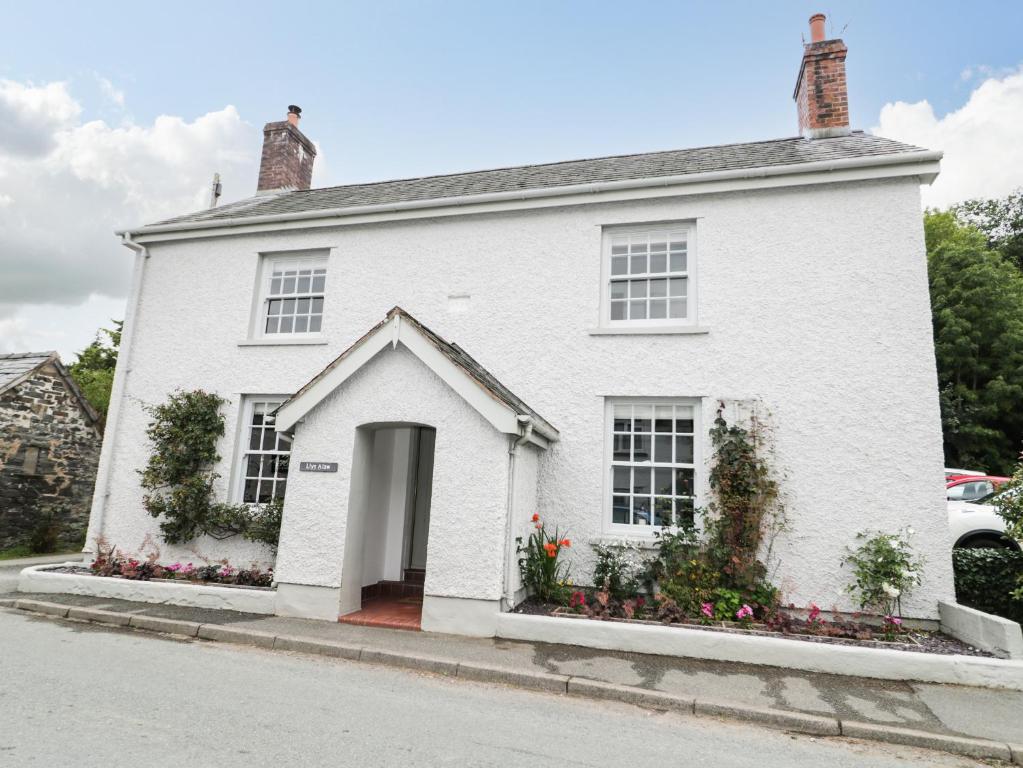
(82,694)
(973,721)
(9,569)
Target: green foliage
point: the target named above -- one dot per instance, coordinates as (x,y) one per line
(884,569)
(543,572)
(179,476)
(977,313)
(985,579)
(93,371)
(617,570)
(1001,222)
(745,503)
(45,535)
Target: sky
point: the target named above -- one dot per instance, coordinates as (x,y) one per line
(117,114)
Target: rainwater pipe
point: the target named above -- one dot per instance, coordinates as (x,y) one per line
(97,516)
(526,432)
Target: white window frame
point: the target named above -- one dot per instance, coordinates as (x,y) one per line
(243,451)
(632,530)
(268,262)
(690,274)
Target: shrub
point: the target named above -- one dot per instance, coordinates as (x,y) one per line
(617,569)
(543,572)
(179,475)
(985,579)
(45,535)
(884,569)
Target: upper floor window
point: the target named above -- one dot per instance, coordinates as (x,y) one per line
(292,293)
(648,276)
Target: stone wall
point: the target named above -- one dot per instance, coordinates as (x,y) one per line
(49,450)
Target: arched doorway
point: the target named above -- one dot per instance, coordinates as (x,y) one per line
(385,560)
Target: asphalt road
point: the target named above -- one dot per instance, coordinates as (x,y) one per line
(75,694)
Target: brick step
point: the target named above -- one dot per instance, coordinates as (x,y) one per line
(392,589)
(415,576)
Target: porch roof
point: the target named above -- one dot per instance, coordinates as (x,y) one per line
(480,388)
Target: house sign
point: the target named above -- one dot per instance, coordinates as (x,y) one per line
(317,466)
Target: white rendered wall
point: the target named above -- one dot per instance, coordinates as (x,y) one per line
(816,303)
(464,550)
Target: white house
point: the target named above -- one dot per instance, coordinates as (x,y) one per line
(405,325)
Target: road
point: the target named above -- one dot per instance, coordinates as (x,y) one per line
(76,694)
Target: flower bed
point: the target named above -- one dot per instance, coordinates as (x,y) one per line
(597,606)
(117,566)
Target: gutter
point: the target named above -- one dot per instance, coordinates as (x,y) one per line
(526,423)
(97,515)
(820,166)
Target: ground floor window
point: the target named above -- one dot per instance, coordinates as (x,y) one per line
(265,453)
(652,453)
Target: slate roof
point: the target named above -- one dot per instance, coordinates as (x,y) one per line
(455,354)
(680,162)
(17,367)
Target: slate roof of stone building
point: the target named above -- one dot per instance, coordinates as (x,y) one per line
(651,165)
(19,366)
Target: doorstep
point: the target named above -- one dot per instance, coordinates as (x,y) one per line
(390,612)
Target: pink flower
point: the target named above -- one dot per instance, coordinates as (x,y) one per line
(815,611)
(893,620)
(744,613)
(707,609)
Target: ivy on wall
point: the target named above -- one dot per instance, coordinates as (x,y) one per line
(179,477)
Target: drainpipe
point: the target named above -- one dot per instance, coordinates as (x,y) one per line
(526,427)
(106,457)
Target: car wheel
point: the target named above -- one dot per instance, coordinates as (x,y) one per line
(987,542)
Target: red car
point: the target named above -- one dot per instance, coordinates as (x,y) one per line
(973,487)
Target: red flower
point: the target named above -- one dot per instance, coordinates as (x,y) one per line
(535,518)
(552,549)
(565,543)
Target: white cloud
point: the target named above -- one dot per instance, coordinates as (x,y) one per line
(981,140)
(67,329)
(110,91)
(66,185)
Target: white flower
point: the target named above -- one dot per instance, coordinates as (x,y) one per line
(908,574)
(889,590)
(910,531)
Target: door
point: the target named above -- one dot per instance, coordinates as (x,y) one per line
(419,495)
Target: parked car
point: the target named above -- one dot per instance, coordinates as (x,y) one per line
(952,473)
(971,488)
(977,524)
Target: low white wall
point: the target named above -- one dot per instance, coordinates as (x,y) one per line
(774,652)
(38,579)
(306,602)
(1000,636)
(460,615)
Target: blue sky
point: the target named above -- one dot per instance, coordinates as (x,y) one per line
(117,114)
(408,88)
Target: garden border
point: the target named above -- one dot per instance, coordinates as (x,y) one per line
(38,578)
(774,652)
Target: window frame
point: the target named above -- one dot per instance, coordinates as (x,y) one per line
(607,235)
(268,262)
(242,453)
(632,530)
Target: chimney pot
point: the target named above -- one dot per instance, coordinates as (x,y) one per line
(817,27)
(288,155)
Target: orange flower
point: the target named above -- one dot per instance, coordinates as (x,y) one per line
(536,517)
(552,549)
(565,543)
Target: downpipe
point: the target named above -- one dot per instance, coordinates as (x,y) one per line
(526,427)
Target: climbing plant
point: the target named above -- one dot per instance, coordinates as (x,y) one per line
(179,477)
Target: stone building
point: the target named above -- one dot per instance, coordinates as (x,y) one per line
(50,441)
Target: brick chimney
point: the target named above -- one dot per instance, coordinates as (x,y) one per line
(288,156)
(822,99)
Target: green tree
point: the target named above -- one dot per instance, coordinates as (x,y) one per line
(93,371)
(1000,220)
(977,306)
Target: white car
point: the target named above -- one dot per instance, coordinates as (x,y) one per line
(977,525)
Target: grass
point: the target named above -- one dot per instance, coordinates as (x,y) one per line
(22,550)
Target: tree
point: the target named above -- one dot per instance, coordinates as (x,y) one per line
(977,308)
(93,371)
(1001,221)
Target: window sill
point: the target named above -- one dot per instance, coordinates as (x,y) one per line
(651,330)
(639,541)
(300,342)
